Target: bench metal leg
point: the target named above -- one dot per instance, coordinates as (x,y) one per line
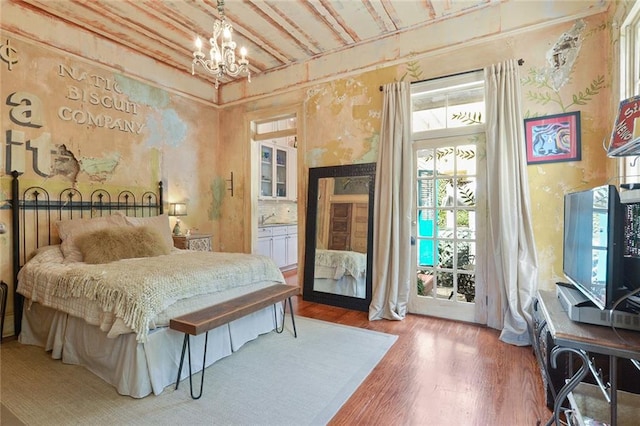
(186,345)
(185,342)
(284,315)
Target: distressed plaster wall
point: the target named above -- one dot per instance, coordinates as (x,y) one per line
(342,117)
(69,123)
(582,83)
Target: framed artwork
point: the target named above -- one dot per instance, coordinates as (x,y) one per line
(553,138)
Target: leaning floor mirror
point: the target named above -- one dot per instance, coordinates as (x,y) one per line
(339,236)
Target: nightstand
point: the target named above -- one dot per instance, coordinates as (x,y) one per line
(198,242)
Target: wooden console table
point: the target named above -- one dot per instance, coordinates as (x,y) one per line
(581,340)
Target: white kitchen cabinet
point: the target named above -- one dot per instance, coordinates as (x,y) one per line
(279,246)
(280,243)
(278,172)
(264,243)
(292,245)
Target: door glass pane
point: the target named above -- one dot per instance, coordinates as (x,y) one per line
(426,192)
(445,161)
(466,256)
(445,192)
(425,160)
(466,192)
(466,224)
(426,223)
(425,281)
(445,285)
(445,254)
(466,159)
(467,286)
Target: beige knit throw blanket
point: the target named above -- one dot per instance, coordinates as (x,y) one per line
(136,290)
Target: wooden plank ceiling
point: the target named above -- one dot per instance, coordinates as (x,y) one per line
(277,33)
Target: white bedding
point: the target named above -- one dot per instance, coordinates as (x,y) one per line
(141,294)
(79,311)
(133,368)
(337,263)
(340,272)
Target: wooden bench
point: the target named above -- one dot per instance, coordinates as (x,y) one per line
(198,322)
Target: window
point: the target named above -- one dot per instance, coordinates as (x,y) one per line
(275,128)
(630,76)
(449,102)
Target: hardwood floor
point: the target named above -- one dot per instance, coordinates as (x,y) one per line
(440,372)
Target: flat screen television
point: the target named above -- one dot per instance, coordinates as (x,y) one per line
(593,244)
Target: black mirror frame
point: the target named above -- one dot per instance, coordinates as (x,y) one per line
(308,293)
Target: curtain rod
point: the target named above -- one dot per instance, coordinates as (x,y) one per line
(520,62)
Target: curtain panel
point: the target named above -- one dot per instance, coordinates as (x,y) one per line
(392,207)
(512,273)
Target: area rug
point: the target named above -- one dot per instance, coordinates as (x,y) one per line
(273,380)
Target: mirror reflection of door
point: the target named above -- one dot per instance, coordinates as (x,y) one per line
(341,235)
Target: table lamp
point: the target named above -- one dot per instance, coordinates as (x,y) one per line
(177,209)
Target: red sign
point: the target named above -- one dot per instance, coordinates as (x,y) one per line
(625,138)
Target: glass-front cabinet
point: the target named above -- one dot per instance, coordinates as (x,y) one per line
(276,166)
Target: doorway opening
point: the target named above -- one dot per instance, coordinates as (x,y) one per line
(274,158)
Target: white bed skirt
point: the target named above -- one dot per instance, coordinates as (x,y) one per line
(133,368)
(345,286)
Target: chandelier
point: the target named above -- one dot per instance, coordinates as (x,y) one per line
(222,55)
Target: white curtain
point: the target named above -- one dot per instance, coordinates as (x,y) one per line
(512,275)
(392,207)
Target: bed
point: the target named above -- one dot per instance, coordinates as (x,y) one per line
(340,272)
(98,281)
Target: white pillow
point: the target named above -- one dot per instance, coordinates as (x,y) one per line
(69,230)
(160,223)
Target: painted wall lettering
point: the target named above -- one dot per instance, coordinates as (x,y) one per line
(41,149)
(8,54)
(105,101)
(15,151)
(93,79)
(97,92)
(80,116)
(26,111)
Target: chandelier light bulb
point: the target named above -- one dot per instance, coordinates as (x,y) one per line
(243,52)
(198,44)
(226,33)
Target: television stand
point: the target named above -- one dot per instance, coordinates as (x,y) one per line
(579,308)
(570,338)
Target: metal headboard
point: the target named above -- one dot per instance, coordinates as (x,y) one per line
(35,211)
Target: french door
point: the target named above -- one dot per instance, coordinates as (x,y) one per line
(448,224)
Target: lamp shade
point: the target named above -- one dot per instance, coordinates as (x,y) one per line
(177,209)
